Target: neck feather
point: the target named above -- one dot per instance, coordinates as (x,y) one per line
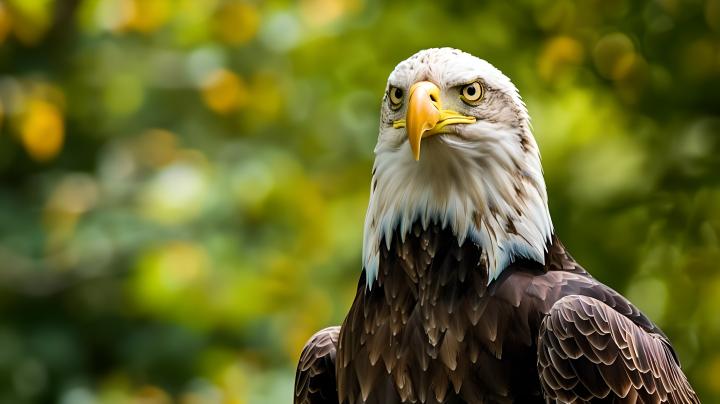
(489,192)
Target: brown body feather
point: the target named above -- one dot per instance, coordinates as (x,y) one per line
(432,330)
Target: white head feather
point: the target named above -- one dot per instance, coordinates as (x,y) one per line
(484,180)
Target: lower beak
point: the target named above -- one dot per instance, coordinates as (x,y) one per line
(425,118)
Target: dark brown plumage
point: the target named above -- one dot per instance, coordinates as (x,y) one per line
(433,330)
(315,376)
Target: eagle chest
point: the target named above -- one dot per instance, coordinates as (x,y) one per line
(429,329)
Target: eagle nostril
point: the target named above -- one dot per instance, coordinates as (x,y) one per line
(432,97)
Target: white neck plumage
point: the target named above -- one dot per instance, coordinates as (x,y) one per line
(490,191)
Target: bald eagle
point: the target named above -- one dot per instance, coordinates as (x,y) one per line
(467,294)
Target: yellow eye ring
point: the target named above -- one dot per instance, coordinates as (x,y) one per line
(396,96)
(472,93)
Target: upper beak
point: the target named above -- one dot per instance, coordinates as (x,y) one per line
(425,117)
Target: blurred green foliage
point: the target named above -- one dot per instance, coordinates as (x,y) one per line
(183,183)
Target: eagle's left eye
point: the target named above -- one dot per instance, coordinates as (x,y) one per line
(472,93)
(396,96)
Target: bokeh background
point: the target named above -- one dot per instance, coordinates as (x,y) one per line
(183,183)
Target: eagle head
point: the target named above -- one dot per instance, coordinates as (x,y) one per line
(455,149)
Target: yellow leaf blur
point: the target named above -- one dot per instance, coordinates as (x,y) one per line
(43,131)
(74,195)
(5,22)
(166,272)
(614,56)
(31,19)
(156,148)
(266,94)
(237,23)
(224,91)
(559,53)
(321,12)
(151,395)
(713,374)
(148,15)
(632,85)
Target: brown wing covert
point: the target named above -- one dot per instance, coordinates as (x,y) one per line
(315,375)
(587,350)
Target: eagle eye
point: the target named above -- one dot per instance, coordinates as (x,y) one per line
(472,93)
(396,96)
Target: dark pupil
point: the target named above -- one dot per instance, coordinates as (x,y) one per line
(471,90)
(398,93)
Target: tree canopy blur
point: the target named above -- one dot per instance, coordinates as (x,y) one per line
(183,183)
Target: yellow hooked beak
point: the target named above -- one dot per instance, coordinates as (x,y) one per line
(425,117)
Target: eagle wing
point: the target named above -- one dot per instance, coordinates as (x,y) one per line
(587,349)
(315,376)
